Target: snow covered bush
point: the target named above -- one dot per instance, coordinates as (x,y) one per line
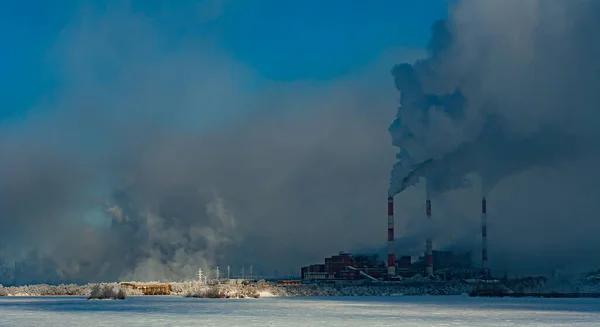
(224,291)
(104,291)
(44,290)
(183,288)
(210,292)
(3,291)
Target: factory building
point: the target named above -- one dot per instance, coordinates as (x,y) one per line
(404,267)
(314,272)
(345,266)
(448,265)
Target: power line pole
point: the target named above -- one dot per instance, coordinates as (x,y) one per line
(250,272)
(243,273)
(218,273)
(200,275)
(228,269)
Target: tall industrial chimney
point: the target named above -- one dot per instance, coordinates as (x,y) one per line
(484,254)
(428,243)
(391,256)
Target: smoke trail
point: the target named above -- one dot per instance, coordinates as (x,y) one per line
(495,99)
(509,92)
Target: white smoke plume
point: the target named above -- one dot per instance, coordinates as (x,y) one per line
(496,97)
(508,97)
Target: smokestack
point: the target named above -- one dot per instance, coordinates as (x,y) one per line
(391,257)
(484,254)
(428,244)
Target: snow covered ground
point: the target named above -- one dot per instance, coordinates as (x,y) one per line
(314,311)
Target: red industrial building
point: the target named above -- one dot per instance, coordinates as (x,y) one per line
(345,266)
(314,272)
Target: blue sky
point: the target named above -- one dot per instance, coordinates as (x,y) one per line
(282,40)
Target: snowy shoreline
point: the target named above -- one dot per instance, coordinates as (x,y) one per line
(267,289)
(255,290)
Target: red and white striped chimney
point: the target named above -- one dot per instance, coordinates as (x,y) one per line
(428,243)
(484,252)
(391,257)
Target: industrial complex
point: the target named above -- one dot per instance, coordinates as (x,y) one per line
(441,265)
(347,266)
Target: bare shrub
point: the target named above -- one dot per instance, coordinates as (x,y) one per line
(3,291)
(44,290)
(211,292)
(103,291)
(223,291)
(214,292)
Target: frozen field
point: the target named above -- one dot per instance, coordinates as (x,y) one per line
(346,312)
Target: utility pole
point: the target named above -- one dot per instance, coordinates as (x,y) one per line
(228,270)
(243,273)
(218,273)
(250,272)
(200,275)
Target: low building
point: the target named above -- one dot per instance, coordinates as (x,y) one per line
(316,275)
(288,282)
(150,288)
(449,259)
(345,266)
(446,264)
(337,268)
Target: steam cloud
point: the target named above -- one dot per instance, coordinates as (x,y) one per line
(158,156)
(509,98)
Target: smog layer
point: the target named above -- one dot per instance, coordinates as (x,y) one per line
(158,156)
